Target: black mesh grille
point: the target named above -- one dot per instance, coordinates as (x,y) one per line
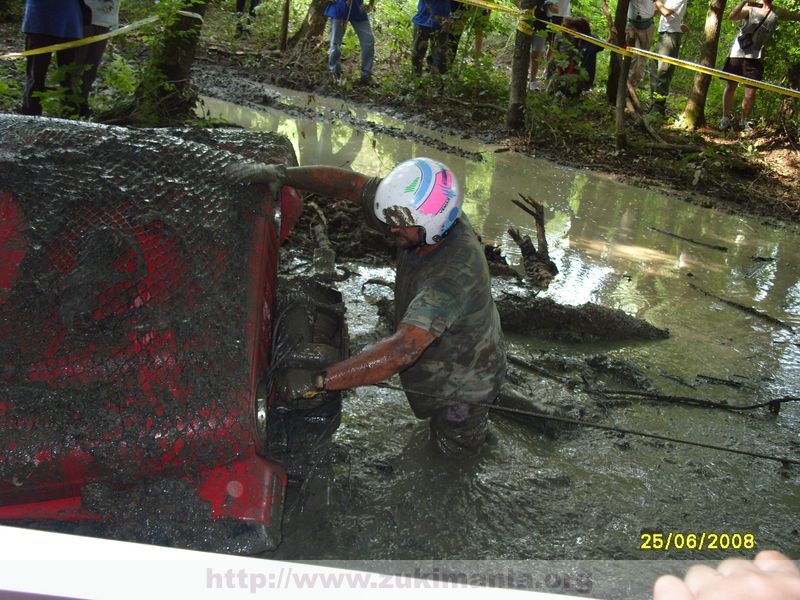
(124,339)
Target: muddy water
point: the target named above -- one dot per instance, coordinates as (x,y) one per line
(578,493)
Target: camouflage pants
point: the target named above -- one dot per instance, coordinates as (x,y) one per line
(459,430)
(437,38)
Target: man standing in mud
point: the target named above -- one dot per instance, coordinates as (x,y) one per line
(448,345)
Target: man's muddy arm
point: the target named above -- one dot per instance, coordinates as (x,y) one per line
(379,361)
(327,181)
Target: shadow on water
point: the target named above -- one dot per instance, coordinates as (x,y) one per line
(581,493)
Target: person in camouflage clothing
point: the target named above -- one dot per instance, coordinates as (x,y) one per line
(431,26)
(448,344)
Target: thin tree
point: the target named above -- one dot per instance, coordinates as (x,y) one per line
(515,116)
(284,34)
(313,25)
(165,93)
(694,112)
(620,22)
(621,77)
(789,108)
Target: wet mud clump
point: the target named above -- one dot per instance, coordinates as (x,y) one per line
(545,319)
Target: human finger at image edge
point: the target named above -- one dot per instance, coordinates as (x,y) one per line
(669,587)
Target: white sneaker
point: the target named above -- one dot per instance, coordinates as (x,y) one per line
(747,126)
(724,124)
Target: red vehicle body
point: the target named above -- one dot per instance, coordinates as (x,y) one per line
(137,300)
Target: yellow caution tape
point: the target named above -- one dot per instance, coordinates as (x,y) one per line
(82,42)
(770,87)
(596,41)
(525,25)
(497,7)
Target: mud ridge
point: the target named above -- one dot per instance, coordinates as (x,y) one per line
(212,82)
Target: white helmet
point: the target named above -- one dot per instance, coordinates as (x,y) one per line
(422,192)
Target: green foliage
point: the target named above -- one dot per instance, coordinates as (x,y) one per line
(117,80)
(119,74)
(63,97)
(11,10)
(11,74)
(555,120)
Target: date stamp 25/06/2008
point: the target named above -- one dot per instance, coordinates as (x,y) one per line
(696,540)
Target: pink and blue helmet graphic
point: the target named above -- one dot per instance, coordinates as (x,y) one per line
(435,192)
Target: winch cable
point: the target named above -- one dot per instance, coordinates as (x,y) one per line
(773,405)
(529,413)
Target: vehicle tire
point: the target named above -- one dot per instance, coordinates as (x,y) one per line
(309,334)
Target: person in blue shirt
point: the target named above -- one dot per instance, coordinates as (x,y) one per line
(428,29)
(340,12)
(48,22)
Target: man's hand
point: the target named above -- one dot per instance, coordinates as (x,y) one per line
(770,576)
(252,172)
(301,388)
(317,387)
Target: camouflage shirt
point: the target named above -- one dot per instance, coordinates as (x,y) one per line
(448,293)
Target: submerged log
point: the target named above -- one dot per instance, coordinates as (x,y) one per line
(545,319)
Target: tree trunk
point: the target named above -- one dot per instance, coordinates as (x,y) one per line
(788,108)
(694,112)
(620,21)
(284,41)
(515,117)
(165,92)
(313,25)
(621,101)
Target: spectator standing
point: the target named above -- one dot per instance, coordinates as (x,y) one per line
(543,11)
(48,22)
(428,21)
(562,12)
(340,12)
(103,18)
(670,31)
(746,56)
(480,23)
(241,23)
(477,18)
(639,34)
(574,64)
